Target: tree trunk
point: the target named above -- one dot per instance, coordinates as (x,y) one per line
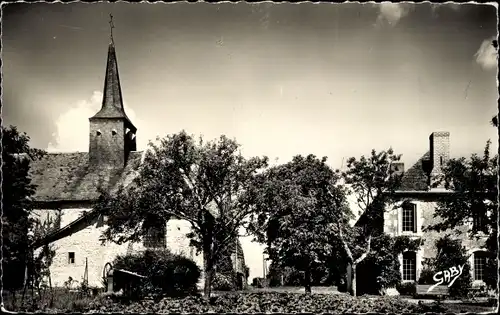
(209,274)
(307,281)
(354,279)
(51,290)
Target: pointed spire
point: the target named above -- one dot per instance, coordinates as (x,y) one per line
(111,27)
(112,102)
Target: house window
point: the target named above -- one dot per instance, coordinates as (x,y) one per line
(409,218)
(155,234)
(71,258)
(480,260)
(409,266)
(478,221)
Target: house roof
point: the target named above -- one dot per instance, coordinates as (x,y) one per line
(415,178)
(69,176)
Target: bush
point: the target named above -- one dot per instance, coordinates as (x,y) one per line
(167,273)
(451,253)
(426,276)
(407,288)
(223,282)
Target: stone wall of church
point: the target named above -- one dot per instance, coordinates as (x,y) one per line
(86,248)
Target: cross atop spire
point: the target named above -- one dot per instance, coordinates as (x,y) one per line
(111,26)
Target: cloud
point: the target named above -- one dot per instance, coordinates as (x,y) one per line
(391,13)
(72,127)
(487,55)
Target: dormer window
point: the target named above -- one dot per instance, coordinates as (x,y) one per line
(113,132)
(98,132)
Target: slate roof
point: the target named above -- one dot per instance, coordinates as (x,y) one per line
(112,102)
(69,177)
(415,178)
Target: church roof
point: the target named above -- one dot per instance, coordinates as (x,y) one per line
(112,102)
(69,176)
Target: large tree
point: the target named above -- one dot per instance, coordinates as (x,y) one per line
(299,207)
(189,180)
(372,180)
(475,199)
(17,204)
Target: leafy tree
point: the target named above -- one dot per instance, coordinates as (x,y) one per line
(299,206)
(372,180)
(475,199)
(16,196)
(452,253)
(188,180)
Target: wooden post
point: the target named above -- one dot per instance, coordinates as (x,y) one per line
(110,281)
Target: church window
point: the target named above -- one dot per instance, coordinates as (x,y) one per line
(71,258)
(409,266)
(409,218)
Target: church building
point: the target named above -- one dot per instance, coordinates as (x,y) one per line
(68,184)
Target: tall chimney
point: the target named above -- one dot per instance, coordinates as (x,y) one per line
(440,155)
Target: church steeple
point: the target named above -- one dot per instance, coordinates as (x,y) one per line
(112,134)
(112,102)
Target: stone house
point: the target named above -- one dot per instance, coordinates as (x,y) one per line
(67,185)
(414,210)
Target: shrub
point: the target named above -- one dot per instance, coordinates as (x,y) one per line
(426,276)
(451,253)
(407,288)
(166,273)
(223,282)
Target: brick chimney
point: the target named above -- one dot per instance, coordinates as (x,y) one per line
(439,154)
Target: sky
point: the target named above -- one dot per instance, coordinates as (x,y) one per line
(332,80)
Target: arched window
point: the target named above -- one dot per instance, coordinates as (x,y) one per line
(409,218)
(480,260)
(409,266)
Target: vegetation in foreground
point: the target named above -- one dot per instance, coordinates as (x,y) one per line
(242,302)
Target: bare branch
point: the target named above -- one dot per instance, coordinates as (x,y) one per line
(362,257)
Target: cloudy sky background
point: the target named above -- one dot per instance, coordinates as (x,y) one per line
(334,80)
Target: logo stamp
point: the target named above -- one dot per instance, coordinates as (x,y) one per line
(446,276)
